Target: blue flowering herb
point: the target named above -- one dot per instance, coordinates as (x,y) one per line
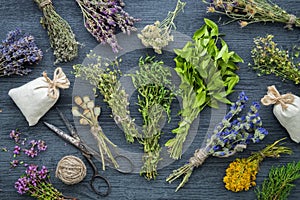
(231,135)
(17,52)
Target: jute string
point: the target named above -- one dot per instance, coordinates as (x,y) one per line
(60,80)
(70,170)
(45,3)
(274,97)
(291,22)
(199,157)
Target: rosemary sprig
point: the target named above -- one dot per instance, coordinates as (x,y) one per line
(89,116)
(279,183)
(62,38)
(103,75)
(207,71)
(153,82)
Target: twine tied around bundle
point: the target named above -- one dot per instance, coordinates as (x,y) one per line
(291,22)
(60,80)
(44,4)
(70,170)
(274,97)
(199,157)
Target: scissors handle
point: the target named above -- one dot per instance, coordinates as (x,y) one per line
(97,189)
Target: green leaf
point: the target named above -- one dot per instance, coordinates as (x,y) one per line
(200,32)
(213,104)
(220,98)
(200,100)
(236,58)
(213,26)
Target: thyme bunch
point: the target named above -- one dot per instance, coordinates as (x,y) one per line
(207,71)
(62,39)
(103,75)
(102,18)
(268,58)
(153,82)
(252,11)
(236,181)
(89,116)
(279,183)
(159,35)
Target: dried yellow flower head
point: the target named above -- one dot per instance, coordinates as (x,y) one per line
(241,174)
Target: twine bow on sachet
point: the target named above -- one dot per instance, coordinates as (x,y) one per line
(274,97)
(60,80)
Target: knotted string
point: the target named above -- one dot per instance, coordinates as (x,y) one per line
(199,157)
(70,170)
(44,4)
(60,80)
(274,97)
(291,22)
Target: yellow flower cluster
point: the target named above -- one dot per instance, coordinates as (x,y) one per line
(241,174)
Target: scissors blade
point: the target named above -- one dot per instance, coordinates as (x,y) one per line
(63,135)
(72,130)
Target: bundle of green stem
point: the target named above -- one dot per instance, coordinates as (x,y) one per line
(153,82)
(252,11)
(279,183)
(62,38)
(159,35)
(89,116)
(207,71)
(103,75)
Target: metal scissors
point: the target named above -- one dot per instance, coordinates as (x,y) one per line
(75,140)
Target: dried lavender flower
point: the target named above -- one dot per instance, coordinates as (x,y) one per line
(159,35)
(252,11)
(18,51)
(268,58)
(231,135)
(62,38)
(101,18)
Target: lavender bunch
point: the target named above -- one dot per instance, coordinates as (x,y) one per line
(36,183)
(16,52)
(231,135)
(62,38)
(252,11)
(101,18)
(159,35)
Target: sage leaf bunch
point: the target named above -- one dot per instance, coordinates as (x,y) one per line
(252,11)
(158,35)
(155,94)
(62,39)
(87,111)
(207,71)
(103,74)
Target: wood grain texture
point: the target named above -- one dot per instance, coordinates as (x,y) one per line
(206,182)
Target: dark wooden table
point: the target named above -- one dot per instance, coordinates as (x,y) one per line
(206,182)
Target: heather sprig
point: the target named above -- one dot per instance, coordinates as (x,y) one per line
(102,18)
(17,52)
(155,94)
(87,111)
(230,136)
(103,75)
(36,183)
(241,173)
(159,35)
(279,183)
(62,39)
(252,11)
(268,58)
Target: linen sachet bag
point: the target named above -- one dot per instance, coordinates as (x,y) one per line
(36,97)
(286,110)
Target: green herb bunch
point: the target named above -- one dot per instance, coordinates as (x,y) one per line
(207,76)
(252,11)
(159,35)
(268,59)
(279,183)
(89,113)
(62,38)
(153,82)
(103,74)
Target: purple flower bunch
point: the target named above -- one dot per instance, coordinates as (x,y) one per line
(101,18)
(35,148)
(18,51)
(234,133)
(36,183)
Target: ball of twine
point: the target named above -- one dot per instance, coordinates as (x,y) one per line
(70,170)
